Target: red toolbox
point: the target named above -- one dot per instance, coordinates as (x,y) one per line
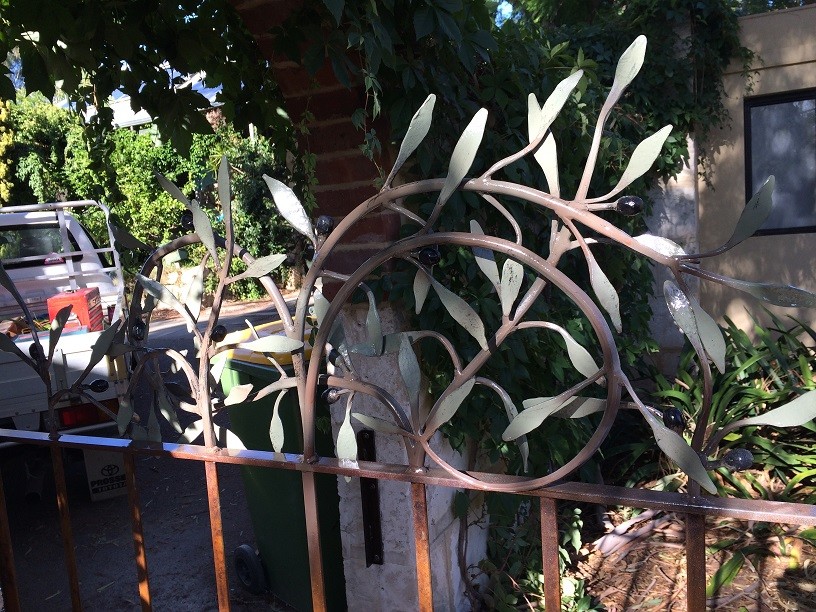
(86,311)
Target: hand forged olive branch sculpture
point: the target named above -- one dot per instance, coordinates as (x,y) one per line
(519,282)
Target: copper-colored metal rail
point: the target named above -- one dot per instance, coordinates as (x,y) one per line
(217,534)
(422,547)
(138,533)
(549,553)
(695,562)
(65,525)
(313,540)
(8,575)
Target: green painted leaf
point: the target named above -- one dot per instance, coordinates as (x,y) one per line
(780,295)
(377,424)
(163,294)
(421,285)
(683,314)
(629,65)
(124,415)
(555,102)
(170,188)
(793,414)
(238,394)
(605,292)
(581,407)
(754,214)
(320,307)
(710,334)
(203,227)
(194,429)
(195,293)
(346,440)
(462,313)
(261,266)
(276,432)
(57,325)
(664,246)
(7,345)
(725,574)
(167,410)
(579,356)
(484,257)
(227,439)
(153,428)
(535,411)
(101,346)
(463,155)
(547,157)
(127,240)
(676,449)
(445,410)
(409,370)
(642,158)
(290,208)
(374,325)
(521,441)
(217,365)
(224,194)
(272,344)
(511,279)
(417,130)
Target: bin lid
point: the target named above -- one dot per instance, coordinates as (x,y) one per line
(253,357)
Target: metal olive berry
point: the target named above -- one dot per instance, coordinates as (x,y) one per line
(331,395)
(219,332)
(429,256)
(100,385)
(738,459)
(35,351)
(629,206)
(324,225)
(138,330)
(673,419)
(308,252)
(187,220)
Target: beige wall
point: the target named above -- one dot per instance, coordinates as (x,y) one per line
(786,42)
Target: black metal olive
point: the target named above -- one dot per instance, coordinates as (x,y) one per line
(629,206)
(100,385)
(309,252)
(331,395)
(35,351)
(673,419)
(219,332)
(738,459)
(324,225)
(429,256)
(187,220)
(138,330)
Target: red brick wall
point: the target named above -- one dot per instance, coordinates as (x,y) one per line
(345,176)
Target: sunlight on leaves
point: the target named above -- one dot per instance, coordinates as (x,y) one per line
(463,155)
(290,208)
(754,214)
(511,279)
(676,449)
(793,414)
(276,433)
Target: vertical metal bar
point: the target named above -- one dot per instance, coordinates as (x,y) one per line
(65,525)
(313,542)
(695,562)
(549,553)
(217,535)
(138,533)
(422,546)
(8,574)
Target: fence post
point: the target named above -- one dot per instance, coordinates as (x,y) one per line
(422,546)
(549,553)
(695,562)
(65,525)
(138,533)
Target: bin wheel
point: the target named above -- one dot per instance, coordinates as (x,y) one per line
(249,569)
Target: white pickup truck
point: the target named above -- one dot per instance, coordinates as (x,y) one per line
(45,251)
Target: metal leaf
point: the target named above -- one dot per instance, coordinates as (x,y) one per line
(547,157)
(374,325)
(203,227)
(421,285)
(629,65)
(168,411)
(484,257)
(194,429)
(127,240)
(320,307)
(754,214)
(378,424)
(605,292)
(462,313)
(163,294)
(579,356)
(463,155)
(261,267)
(521,441)
(417,130)
(238,394)
(272,344)
(511,279)
(581,407)
(124,415)
(447,408)
(710,334)
(227,438)
(780,295)
(57,325)
(170,188)
(290,208)
(195,293)
(153,428)
(7,345)
(555,102)
(409,370)
(392,343)
(793,414)
(683,315)
(276,432)
(224,195)
(217,365)
(664,246)
(533,415)
(346,440)
(676,449)
(642,159)
(100,347)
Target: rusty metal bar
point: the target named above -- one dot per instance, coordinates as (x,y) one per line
(695,562)
(65,525)
(313,542)
(138,533)
(422,547)
(8,574)
(217,534)
(549,553)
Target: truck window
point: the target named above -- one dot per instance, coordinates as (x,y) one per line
(31,241)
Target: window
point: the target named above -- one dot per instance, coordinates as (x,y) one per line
(780,132)
(18,241)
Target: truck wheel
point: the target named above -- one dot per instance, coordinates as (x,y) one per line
(249,569)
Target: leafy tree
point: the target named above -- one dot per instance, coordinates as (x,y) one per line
(6,136)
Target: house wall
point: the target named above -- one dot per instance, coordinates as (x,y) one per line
(786,43)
